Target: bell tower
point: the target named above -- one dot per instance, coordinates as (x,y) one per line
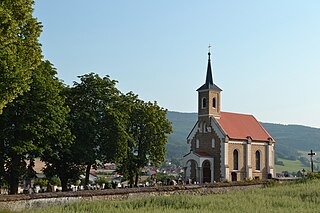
(209,98)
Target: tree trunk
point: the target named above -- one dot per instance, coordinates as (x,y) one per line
(13,179)
(86,181)
(131,179)
(136,180)
(64,183)
(13,189)
(2,171)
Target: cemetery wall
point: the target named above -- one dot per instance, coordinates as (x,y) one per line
(22,202)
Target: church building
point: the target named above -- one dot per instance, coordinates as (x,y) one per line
(226,146)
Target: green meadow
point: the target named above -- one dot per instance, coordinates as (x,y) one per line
(291,166)
(295,197)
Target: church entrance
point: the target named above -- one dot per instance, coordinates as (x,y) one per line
(206,172)
(233,176)
(191,172)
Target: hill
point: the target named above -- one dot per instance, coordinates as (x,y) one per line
(290,139)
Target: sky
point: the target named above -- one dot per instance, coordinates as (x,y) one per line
(265,54)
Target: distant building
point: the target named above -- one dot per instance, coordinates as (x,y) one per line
(226,146)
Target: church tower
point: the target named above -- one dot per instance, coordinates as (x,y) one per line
(209,99)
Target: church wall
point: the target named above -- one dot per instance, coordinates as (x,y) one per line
(205,145)
(241,172)
(263,173)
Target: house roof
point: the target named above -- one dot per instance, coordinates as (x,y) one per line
(242,126)
(209,79)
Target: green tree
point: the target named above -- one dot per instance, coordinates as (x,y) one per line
(20,51)
(32,124)
(60,162)
(147,127)
(95,120)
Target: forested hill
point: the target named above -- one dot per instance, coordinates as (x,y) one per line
(290,138)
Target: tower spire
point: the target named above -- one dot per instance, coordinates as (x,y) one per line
(209,78)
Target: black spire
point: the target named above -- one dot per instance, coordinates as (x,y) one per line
(209,79)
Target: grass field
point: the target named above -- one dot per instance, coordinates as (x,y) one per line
(290,166)
(300,197)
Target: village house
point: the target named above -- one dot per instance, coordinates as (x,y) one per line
(226,146)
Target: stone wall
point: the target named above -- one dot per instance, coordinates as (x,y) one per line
(22,202)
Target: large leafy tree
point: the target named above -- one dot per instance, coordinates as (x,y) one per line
(33,124)
(20,51)
(95,120)
(147,127)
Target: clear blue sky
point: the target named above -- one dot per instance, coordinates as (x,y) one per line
(265,53)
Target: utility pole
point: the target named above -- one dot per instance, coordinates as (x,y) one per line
(311,159)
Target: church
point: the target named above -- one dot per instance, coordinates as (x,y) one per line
(226,146)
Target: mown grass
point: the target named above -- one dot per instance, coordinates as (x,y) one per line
(291,166)
(300,197)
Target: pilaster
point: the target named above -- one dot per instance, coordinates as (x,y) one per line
(270,158)
(226,161)
(248,158)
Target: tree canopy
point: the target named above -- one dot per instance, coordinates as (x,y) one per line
(20,51)
(95,120)
(147,127)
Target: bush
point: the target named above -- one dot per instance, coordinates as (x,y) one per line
(54,181)
(41,182)
(313,175)
(101,180)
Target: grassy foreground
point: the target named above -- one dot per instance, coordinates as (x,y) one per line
(300,197)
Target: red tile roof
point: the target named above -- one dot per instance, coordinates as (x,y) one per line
(240,126)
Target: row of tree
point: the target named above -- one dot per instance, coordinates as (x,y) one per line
(73,128)
(70,128)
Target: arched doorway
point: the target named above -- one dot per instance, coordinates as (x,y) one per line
(191,171)
(206,171)
(233,176)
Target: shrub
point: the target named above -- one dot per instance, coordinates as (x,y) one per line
(54,181)
(313,175)
(40,182)
(101,180)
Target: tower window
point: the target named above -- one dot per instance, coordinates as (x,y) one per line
(235,160)
(213,143)
(204,102)
(197,143)
(258,160)
(214,103)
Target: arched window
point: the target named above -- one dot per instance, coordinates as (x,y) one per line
(213,143)
(204,102)
(214,103)
(235,160)
(257,160)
